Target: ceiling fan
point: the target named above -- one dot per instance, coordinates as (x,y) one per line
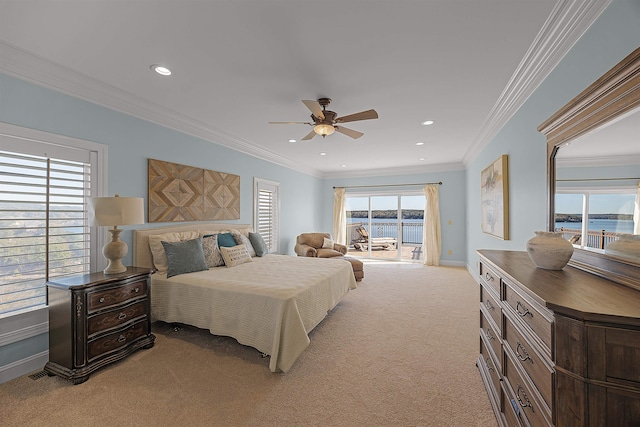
(325,121)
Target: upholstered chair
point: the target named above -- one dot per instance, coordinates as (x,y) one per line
(319,245)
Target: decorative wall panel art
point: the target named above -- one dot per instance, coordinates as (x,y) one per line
(184,193)
(495,198)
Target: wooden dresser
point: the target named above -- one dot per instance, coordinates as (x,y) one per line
(96,319)
(557,347)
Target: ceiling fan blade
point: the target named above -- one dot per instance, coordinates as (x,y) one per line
(315,108)
(363,115)
(290,123)
(309,136)
(349,132)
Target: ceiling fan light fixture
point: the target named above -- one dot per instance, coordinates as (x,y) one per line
(323,129)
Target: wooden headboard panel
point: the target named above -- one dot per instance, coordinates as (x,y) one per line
(142,253)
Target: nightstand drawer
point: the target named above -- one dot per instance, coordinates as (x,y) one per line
(107,298)
(116,340)
(531,361)
(115,318)
(530,314)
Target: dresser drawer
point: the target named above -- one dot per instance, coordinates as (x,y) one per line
(490,335)
(530,313)
(530,360)
(492,368)
(511,408)
(116,340)
(109,297)
(492,307)
(115,318)
(528,399)
(623,355)
(490,277)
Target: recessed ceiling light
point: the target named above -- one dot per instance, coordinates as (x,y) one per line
(344,166)
(419,143)
(163,71)
(421,159)
(293,140)
(323,154)
(427,122)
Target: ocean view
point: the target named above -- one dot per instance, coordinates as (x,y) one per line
(613,225)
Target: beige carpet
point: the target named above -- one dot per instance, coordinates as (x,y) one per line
(398,351)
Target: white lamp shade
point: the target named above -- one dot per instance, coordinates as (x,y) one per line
(112,211)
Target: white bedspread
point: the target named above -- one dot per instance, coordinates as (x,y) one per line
(270,304)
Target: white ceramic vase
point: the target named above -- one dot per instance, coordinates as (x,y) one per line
(549,250)
(627,246)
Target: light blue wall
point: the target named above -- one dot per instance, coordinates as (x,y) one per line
(613,36)
(132,141)
(452,199)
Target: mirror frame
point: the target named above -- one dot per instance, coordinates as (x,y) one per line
(609,98)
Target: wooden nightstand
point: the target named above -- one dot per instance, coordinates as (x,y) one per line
(96,319)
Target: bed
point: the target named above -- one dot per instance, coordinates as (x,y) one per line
(270,303)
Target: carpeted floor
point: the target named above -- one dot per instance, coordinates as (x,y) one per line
(398,351)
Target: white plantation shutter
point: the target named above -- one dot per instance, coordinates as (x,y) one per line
(44,229)
(266,207)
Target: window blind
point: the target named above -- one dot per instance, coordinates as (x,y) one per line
(266,221)
(44,229)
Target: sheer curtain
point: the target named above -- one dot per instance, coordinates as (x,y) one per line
(431,241)
(339,216)
(636,213)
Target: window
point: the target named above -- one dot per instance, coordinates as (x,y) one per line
(267,212)
(44,230)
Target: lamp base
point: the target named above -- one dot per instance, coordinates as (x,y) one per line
(114,251)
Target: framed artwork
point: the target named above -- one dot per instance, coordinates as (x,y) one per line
(494,181)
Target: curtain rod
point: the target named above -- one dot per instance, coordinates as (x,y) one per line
(596,179)
(388,185)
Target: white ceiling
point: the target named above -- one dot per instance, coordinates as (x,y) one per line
(238,64)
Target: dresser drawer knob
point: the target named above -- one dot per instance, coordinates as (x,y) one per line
(101,300)
(122,338)
(525,311)
(489,305)
(489,277)
(524,401)
(490,365)
(136,290)
(526,356)
(121,316)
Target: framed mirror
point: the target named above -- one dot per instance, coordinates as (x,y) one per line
(607,109)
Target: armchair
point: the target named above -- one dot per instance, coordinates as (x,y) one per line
(312,245)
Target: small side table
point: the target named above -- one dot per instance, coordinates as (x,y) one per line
(97,319)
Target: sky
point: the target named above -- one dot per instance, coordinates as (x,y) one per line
(598,203)
(384,203)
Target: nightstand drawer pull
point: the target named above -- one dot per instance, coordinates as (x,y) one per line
(122,338)
(122,316)
(524,350)
(525,397)
(525,312)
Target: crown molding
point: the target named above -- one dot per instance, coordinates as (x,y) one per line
(34,69)
(410,170)
(568,21)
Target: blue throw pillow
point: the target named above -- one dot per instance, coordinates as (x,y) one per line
(226,240)
(258,244)
(183,257)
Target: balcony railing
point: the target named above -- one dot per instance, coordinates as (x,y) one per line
(411,231)
(595,238)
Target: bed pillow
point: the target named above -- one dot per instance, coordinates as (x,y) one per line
(157,250)
(235,255)
(183,257)
(211,250)
(327,243)
(226,239)
(258,244)
(241,239)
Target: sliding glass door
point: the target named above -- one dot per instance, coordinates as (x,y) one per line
(385,226)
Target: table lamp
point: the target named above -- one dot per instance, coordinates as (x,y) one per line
(115,211)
